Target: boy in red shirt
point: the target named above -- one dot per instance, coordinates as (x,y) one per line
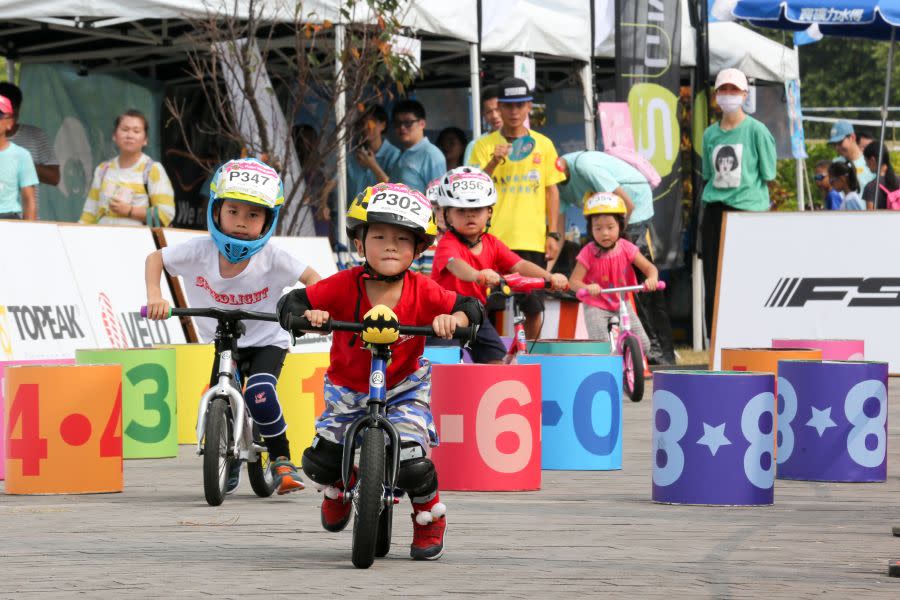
(390,224)
(468,258)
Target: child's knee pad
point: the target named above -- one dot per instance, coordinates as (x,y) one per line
(262,402)
(417,474)
(322,461)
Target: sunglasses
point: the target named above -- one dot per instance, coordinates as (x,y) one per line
(819,177)
(405,124)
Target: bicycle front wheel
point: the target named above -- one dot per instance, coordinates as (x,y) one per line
(369,497)
(633,375)
(218,441)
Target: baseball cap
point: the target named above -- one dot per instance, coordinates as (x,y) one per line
(513,89)
(6,106)
(733,76)
(839,131)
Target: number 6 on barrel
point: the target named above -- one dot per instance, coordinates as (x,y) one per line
(488,419)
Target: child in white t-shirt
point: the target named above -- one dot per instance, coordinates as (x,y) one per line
(235,268)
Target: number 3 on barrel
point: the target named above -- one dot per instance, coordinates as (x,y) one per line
(154,401)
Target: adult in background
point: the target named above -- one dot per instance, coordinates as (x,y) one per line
(131,189)
(490,116)
(33,139)
(889,181)
(844,141)
(376,155)
(452,142)
(318,190)
(523,165)
(738,161)
(864,137)
(420,161)
(588,172)
(18,178)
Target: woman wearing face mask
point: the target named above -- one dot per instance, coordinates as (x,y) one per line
(738,161)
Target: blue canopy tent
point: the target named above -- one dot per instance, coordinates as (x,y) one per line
(873,19)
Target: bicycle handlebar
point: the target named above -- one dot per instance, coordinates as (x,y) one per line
(218,313)
(583,292)
(303,324)
(519,284)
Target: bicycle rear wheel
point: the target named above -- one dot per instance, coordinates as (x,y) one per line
(218,443)
(633,373)
(261,479)
(369,498)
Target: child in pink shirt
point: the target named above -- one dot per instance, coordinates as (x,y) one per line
(606,262)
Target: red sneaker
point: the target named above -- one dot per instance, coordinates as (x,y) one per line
(428,533)
(335,511)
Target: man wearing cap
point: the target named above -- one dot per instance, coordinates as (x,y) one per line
(843,138)
(524,168)
(18,177)
(738,162)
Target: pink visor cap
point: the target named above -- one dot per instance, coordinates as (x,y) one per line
(733,76)
(6,106)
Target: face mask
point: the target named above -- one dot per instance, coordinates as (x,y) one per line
(729,103)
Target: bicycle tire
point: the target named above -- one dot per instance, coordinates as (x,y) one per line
(369,498)
(217,445)
(261,479)
(385,528)
(633,369)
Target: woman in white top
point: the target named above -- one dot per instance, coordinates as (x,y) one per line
(131,189)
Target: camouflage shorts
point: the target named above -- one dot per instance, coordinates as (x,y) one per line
(408,408)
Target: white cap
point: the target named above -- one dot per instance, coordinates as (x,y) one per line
(733,76)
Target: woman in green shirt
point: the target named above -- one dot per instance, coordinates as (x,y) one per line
(738,161)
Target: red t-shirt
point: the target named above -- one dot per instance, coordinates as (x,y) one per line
(610,269)
(420,302)
(494,255)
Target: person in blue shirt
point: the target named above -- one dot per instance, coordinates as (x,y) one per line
(588,172)
(832,200)
(18,177)
(374,157)
(420,161)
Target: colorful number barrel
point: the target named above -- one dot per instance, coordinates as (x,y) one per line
(489,422)
(148,398)
(64,429)
(581,427)
(832,423)
(3,366)
(568,347)
(765,360)
(442,355)
(831,349)
(713,438)
(301,396)
(193,367)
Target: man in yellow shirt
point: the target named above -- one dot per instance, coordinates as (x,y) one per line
(523,165)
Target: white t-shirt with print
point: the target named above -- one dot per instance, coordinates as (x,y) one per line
(257,288)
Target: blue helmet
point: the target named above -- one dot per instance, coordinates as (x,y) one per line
(244,180)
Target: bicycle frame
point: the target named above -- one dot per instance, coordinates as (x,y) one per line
(511,285)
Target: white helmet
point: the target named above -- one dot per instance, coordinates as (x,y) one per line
(467,187)
(434,192)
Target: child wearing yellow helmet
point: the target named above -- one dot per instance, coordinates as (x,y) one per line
(607,262)
(390,225)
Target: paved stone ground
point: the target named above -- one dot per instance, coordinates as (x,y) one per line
(585,534)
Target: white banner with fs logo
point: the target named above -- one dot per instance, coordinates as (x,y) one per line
(108,263)
(42,315)
(823,275)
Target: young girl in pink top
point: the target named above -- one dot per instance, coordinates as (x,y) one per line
(606,262)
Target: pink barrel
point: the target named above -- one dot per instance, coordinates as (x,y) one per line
(831,349)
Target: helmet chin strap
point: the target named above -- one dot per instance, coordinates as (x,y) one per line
(374,275)
(462,239)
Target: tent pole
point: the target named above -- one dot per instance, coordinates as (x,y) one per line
(884,111)
(801,199)
(587,85)
(339,113)
(10,71)
(475,85)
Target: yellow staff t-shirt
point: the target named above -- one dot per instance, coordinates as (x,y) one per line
(520,215)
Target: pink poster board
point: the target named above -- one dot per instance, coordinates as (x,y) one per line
(615,125)
(831,349)
(11,363)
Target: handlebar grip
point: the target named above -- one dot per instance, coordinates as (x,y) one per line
(661,286)
(144,311)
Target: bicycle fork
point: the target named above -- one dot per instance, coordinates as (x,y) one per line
(243,437)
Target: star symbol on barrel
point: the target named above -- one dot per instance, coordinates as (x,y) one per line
(714,438)
(821,420)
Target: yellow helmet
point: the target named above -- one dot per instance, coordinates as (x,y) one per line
(603,203)
(393,204)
